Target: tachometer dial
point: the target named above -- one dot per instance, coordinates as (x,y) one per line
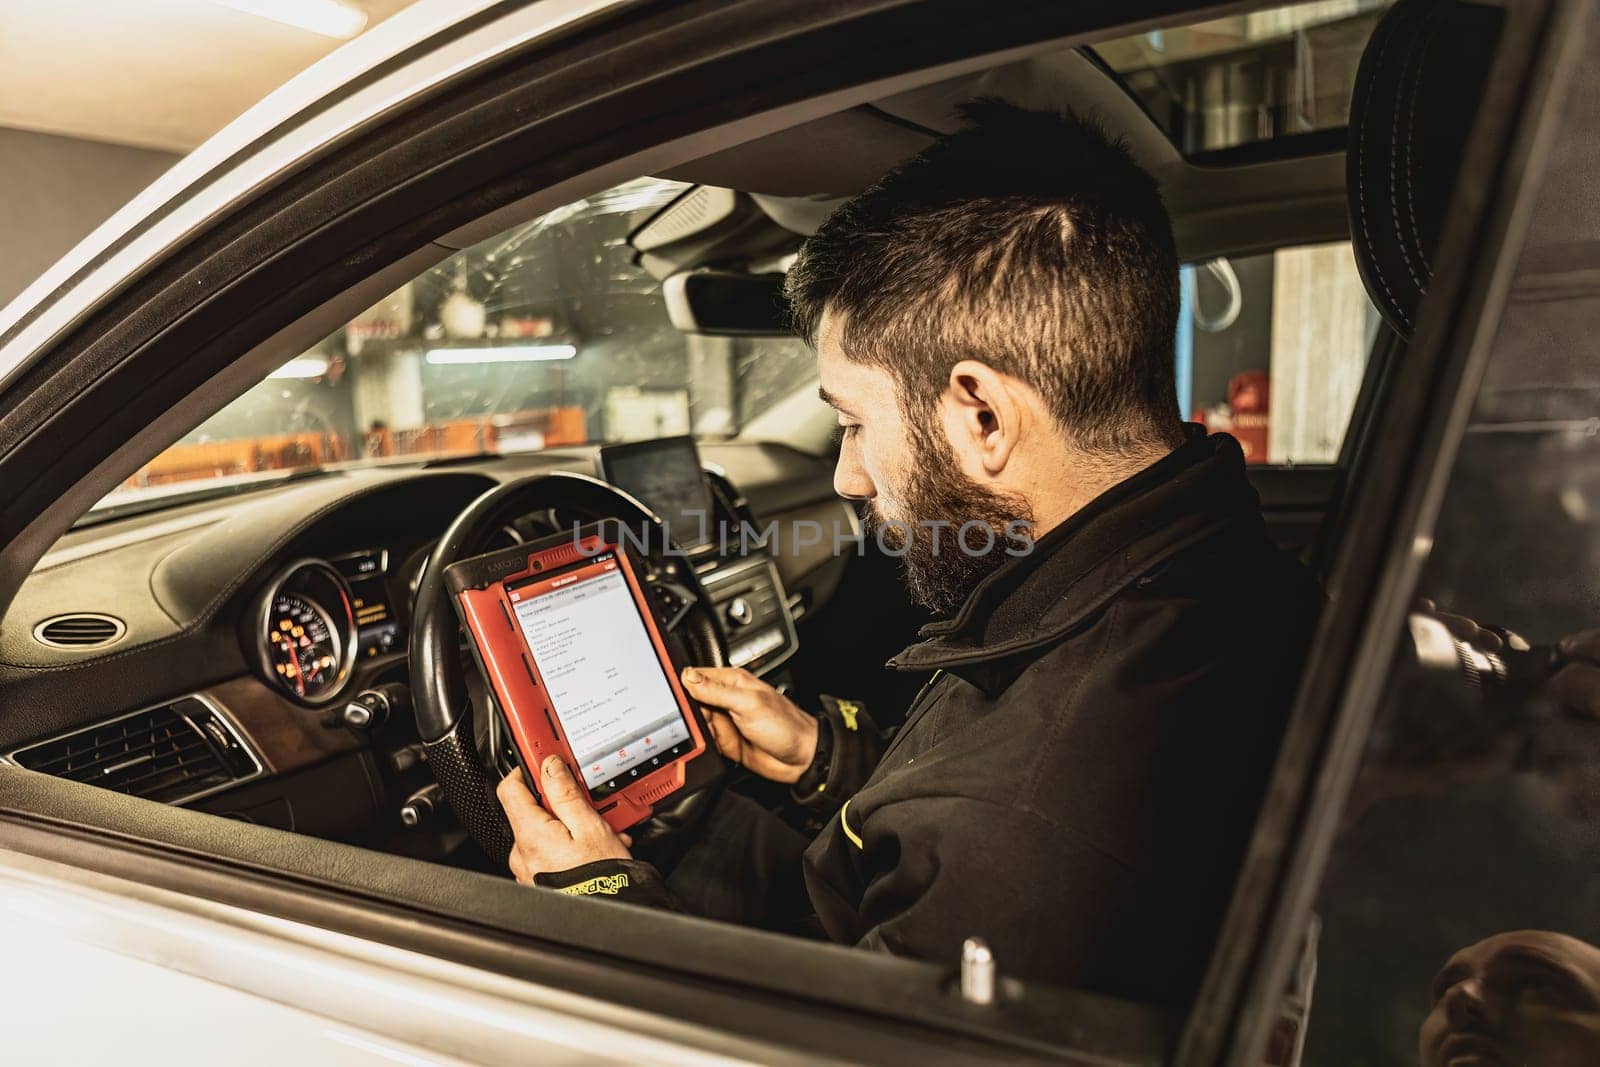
(302,645)
(307,632)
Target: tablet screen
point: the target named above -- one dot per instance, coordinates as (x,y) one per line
(599,667)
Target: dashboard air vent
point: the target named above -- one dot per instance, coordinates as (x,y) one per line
(171,753)
(79,631)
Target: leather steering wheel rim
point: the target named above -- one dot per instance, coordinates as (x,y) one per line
(439,693)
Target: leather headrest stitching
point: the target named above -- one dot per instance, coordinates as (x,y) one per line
(1403,175)
(1360,138)
(1416,93)
(1414,165)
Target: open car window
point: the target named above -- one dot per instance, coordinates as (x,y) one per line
(491,345)
(552,334)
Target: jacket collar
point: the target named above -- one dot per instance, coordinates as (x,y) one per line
(1032,601)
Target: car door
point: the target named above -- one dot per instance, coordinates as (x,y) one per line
(459,963)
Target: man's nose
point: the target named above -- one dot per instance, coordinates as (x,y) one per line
(1466,1006)
(850,480)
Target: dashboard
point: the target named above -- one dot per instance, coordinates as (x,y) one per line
(240,631)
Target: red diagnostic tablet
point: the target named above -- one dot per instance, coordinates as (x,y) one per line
(564,634)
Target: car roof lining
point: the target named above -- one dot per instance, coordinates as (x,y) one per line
(840,154)
(799,170)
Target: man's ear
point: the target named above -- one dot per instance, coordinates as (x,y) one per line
(986,411)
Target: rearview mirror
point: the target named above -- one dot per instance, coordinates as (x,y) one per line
(726,303)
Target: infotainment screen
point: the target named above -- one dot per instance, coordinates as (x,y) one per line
(665,475)
(600,671)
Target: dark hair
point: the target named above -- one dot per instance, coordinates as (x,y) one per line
(1026,240)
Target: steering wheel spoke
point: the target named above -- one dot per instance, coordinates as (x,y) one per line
(675,600)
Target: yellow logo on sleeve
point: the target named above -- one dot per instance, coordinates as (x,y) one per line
(847,712)
(609,884)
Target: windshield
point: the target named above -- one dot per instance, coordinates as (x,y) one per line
(546,335)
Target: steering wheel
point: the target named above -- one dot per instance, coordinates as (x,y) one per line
(463,746)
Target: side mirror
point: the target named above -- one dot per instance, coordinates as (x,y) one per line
(726,303)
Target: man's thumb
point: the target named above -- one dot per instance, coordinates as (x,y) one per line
(566,798)
(560,789)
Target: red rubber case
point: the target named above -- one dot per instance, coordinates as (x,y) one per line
(479,587)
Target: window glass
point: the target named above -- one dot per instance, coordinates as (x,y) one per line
(548,334)
(1460,910)
(1254,76)
(1272,349)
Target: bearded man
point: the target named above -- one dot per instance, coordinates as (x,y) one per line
(995,323)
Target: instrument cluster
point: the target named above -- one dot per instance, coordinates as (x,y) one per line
(318,617)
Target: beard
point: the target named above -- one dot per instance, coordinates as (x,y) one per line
(954,532)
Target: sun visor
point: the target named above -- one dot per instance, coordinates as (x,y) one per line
(707,226)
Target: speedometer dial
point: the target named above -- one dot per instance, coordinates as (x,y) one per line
(306,632)
(302,645)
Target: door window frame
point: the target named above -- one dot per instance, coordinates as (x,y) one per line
(1397,486)
(210,313)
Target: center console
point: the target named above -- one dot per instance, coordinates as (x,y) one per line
(751,611)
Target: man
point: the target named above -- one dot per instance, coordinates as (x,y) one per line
(1529,996)
(994,324)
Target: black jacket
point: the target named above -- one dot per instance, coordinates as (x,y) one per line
(1077,782)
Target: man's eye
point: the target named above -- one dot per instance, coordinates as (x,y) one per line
(1552,991)
(1538,987)
(849,430)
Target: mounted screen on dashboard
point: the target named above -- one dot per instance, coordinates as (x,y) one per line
(665,475)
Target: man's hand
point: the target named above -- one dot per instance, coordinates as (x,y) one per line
(1466,629)
(1576,686)
(569,835)
(752,723)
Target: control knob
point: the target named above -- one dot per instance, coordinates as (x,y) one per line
(371,708)
(420,807)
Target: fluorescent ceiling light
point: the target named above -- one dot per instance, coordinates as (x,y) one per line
(304,367)
(330,18)
(507,354)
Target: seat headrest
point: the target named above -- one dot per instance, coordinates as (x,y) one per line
(1417,91)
